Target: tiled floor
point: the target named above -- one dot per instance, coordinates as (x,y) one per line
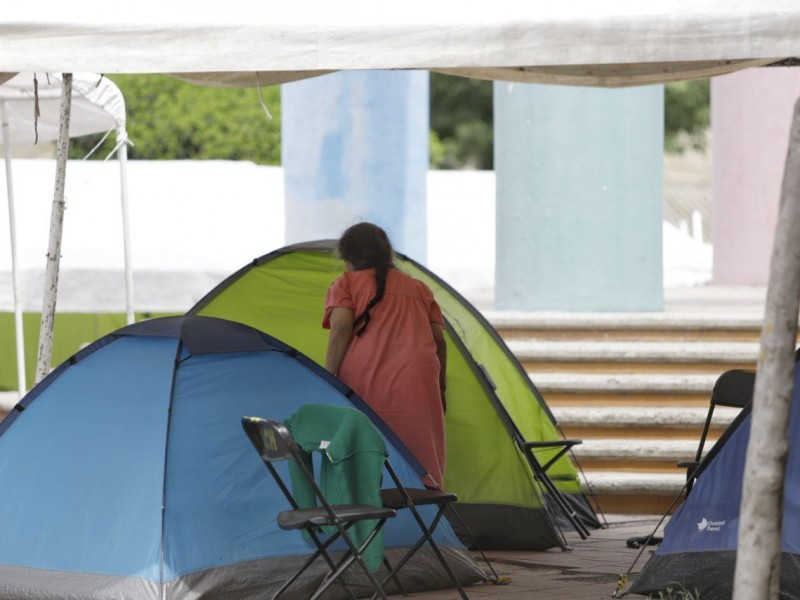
(589,572)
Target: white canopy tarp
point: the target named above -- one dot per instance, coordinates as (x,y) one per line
(97,107)
(613,42)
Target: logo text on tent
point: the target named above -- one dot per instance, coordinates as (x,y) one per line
(706,525)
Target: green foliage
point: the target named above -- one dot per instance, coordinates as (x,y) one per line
(172,119)
(461,123)
(687,115)
(437,150)
(676,594)
(462,115)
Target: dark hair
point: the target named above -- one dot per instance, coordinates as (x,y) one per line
(366,246)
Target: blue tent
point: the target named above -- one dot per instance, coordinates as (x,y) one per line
(126,473)
(698,552)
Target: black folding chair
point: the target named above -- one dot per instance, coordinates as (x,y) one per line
(734,389)
(554,499)
(553,494)
(274,443)
(401,497)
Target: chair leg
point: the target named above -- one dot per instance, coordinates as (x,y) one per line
(353,555)
(394,577)
(321,551)
(393,573)
(540,473)
(565,509)
(427,536)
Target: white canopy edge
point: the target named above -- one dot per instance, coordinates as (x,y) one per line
(612,75)
(584,75)
(640,42)
(97,106)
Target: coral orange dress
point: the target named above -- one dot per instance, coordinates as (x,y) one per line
(393,366)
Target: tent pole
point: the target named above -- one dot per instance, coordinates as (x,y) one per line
(12,229)
(122,136)
(56,228)
(761,513)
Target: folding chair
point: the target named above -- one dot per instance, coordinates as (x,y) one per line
(733,388)
(274,443)
(401,497)
(553,493)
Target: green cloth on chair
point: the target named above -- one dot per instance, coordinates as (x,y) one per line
(353,454)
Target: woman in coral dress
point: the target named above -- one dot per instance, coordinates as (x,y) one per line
(387,343)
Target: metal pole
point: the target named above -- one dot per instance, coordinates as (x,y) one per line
(56,228)
(122,136)
(12,228)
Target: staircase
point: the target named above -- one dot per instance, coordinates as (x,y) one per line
(635,388)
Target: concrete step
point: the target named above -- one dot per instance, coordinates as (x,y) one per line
(612,422)
(628,452)
(635,387)
(544,356)
(664,326)
(602,389)
(634,493)
(619,483)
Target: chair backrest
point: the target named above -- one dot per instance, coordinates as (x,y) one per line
(734,388)
(272,440)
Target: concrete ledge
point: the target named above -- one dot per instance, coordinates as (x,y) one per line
(668,352)
(651,384)
(638,450)
(625,321)
(637,416)
(629,484)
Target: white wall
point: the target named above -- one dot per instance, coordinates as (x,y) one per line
(192,222)
(185,215)
(195,222)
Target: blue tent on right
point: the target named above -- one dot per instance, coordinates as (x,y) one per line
(698,553)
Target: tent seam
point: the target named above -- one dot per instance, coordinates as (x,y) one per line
(176,365)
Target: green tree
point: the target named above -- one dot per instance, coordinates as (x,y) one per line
(462,134)
(687,115)
(171,119)
(461,120)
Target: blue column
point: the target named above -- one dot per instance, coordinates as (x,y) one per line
(579,186)
(355,147)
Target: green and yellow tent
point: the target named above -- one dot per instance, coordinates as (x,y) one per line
(493,407)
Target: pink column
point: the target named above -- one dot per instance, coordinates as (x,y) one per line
(751,113)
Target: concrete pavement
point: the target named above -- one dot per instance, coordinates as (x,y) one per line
(589,572)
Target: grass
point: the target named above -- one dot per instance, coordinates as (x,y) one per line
(676,594)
